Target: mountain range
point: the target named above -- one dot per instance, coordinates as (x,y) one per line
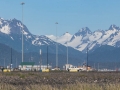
(11,35)
(85,38)
(99,43)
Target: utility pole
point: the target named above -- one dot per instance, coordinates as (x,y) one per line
(11,59)
(94,65)
(98,66)
(16,62)
(87,58)
(4,62)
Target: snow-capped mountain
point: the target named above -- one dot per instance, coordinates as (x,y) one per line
(11,35)
(62,39)
(85,38)
(80,39)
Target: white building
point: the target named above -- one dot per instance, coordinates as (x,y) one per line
(29,66)
(67,66)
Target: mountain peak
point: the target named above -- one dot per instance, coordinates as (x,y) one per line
(12,26)
(14,19)
(1,18)
(66,34)
(83,31)
(113,26)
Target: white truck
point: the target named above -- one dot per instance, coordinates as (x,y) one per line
(75,69)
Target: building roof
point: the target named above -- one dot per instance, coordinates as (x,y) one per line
(27,63)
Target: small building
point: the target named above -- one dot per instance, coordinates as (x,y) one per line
(30,66)
(67,66)
(26,65)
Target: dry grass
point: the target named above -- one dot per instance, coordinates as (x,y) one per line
(60,81)
(78,86)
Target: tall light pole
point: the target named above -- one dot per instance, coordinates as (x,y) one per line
(47,53)
(22,31)
(56,47)
(47,56)
(67,47)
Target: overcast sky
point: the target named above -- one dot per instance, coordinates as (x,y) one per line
(40,15)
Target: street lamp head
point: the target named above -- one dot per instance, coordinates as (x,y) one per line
(22,3)
(56,23)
